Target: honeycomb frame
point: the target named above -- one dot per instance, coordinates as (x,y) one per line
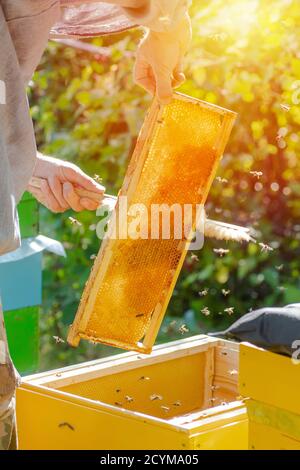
(131,334)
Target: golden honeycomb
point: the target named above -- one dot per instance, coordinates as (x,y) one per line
(174,163)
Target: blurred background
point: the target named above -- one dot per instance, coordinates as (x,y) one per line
(245,56)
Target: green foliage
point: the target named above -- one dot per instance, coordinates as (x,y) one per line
(89,111)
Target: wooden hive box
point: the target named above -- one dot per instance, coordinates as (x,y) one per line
(272,382)
(182,397)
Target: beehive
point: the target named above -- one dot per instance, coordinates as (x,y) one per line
(174,162)
(183,396)
(272,383)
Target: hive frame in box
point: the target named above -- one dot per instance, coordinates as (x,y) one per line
(79,328)
(64,420)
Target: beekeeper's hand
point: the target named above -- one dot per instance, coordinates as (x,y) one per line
(159,61)
(57,185)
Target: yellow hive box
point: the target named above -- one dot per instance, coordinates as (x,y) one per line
(174,164)
(272,382)
(182,397)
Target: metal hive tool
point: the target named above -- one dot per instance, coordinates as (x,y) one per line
(175,161)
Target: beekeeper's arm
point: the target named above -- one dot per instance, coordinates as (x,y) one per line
(159,68)
(159,63)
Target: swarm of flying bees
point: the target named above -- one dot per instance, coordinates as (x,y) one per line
(256,174)
(221,252)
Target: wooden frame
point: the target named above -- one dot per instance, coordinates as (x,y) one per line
(85,310)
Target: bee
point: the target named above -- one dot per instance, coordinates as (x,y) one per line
(75,221)
(97,178)
(68,425)
(129,399)
(203,292)
(177,403)
(229,310)
(279,137)
(205,311)
(183,329)
(233,372)
(118,404)
(165,408)
(58,339)
(225,292)
(221,252)
(140,315)
(279,268)
(285,107)
(221,180)
(155,397)
(194,257)
(144,378)
(118,390)
(256,174)
(265,248)
(282,288)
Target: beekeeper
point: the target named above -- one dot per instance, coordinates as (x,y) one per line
(25,27)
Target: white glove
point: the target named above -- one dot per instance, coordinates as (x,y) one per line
(57,185)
